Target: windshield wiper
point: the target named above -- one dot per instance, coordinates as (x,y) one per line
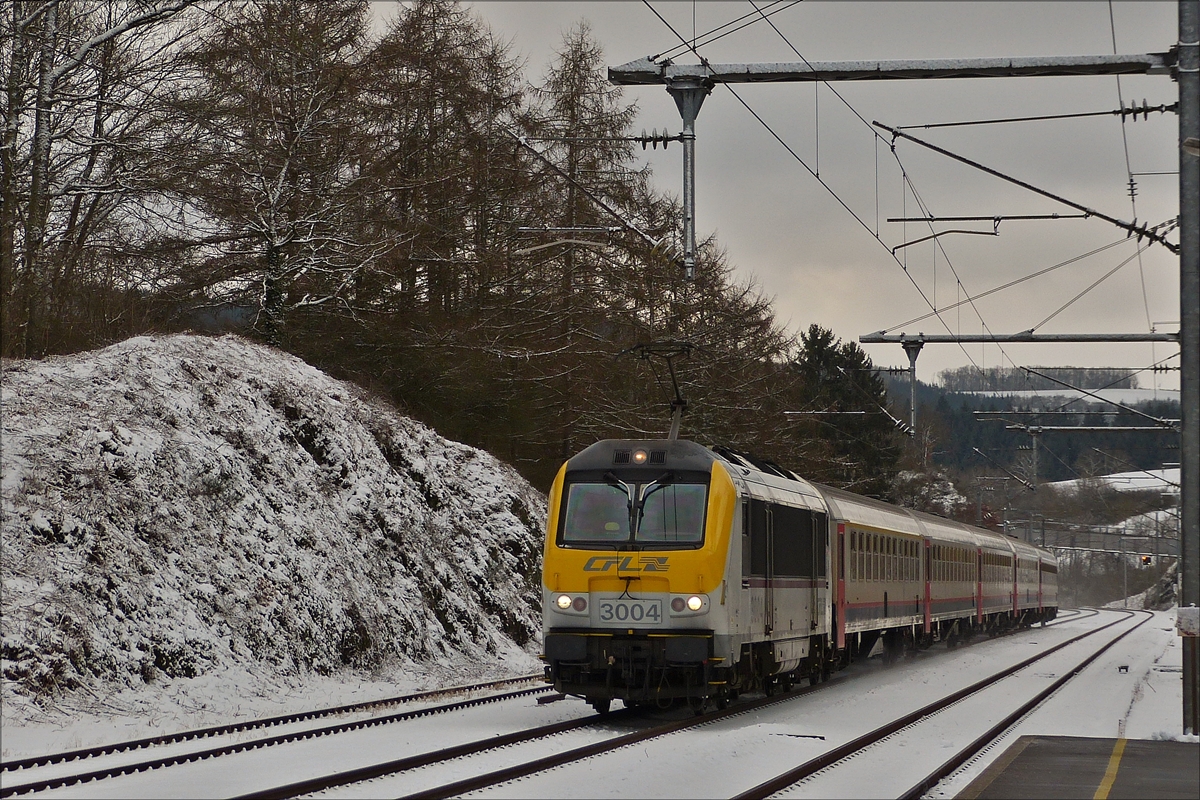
(612,480)
(661,482)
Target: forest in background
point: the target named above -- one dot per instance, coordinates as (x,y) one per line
(403,208)
(407,208)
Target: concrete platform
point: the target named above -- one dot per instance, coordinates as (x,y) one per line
(1096,769)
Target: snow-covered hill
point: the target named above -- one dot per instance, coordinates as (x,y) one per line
(177,506)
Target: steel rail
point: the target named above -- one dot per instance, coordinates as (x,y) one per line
(396,766)
(241,727)
(831,757)
(997,730)
(367,773)
(577,754)
(580,753)
(10,790)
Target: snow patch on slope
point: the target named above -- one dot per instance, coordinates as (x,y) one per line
(185,506)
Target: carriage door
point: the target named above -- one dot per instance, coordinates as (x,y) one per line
(755,563)
(819,526)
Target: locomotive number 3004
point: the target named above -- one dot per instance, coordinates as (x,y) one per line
(647,611)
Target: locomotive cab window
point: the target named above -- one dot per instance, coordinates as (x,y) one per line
(661,514)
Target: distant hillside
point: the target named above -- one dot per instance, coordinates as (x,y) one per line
(181,504)
(957,430)
(1011,379)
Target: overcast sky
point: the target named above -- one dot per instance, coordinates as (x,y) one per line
(820,264)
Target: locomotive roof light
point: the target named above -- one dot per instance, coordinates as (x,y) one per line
(640,457)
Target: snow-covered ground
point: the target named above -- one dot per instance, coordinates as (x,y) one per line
(197,528)
(733,754)
(199,531)
(1158,480)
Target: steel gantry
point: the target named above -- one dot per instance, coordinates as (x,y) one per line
(689,84)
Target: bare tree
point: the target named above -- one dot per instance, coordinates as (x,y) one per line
(272,185)
(79,133)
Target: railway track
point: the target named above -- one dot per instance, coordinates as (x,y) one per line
(21,776)
(840,754)
(31,766)
(568,756)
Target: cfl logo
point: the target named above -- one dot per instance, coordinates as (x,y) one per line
(626,564)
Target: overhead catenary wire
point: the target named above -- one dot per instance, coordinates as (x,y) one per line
(908,182)
(1136,468)
(1124,111)
(1141,232)
(1112,23)
(683,48)
(1132,227)
(1095,283)
(904,173)
(1114,382)
(647,238)
(1156,420)
(809,169)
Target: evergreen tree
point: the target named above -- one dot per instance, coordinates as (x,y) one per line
(857,450)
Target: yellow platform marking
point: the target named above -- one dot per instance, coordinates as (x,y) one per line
(1110,774)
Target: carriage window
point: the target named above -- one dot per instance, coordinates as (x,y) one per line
(853,559)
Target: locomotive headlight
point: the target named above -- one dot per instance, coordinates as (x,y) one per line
(695,603)
(640,456)
(563,601)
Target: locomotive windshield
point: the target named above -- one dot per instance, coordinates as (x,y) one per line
(662,513)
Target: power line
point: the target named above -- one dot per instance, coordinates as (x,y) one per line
(1010,284)
(1112,24)
(1122,378)
(904,173)
(1143,231)
(680,49)
(1095,283)
(1124,111)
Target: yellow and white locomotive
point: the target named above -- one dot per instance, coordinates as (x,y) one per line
(675,571)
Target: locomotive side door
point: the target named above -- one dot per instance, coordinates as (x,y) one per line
(769,591)
(755,565)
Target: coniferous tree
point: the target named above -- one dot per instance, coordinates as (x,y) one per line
(857,451)
(272,181)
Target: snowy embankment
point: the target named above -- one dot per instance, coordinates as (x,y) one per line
(185,507)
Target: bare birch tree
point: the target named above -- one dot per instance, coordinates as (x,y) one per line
(79,136)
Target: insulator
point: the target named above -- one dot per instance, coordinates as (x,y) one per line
(643,138)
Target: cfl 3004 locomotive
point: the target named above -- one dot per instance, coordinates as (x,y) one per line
(677,572)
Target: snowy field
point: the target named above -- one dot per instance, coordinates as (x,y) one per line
(727,756)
